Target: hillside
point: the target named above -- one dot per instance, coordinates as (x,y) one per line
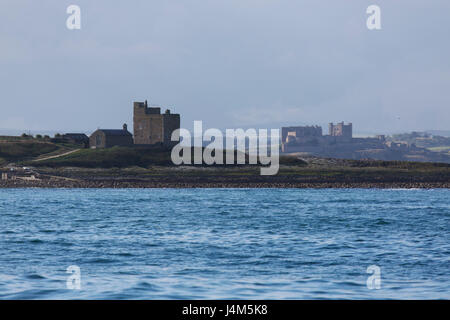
(50,164)
(19,151)
(123,157)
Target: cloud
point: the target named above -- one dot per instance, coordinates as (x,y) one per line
(227,63)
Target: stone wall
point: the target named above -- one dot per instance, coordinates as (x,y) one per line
(101,139)
(97,140)
(301,132)
(171,123)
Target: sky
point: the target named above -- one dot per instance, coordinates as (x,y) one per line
(229,63)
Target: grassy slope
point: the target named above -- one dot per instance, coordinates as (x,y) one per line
(23,150)
(17,151)
(122,157)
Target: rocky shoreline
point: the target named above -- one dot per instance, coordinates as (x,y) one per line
(220,184)
(414,176)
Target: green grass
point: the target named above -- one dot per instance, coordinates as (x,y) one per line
(410,165)
(17,151)
(123,157)
(15,138)
(119,157)
(292,161)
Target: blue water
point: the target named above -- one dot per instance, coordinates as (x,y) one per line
(224,243)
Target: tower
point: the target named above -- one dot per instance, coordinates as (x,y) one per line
(152,127)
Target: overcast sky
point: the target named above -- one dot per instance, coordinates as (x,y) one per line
(230,63)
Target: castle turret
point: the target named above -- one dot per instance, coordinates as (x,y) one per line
(341,130)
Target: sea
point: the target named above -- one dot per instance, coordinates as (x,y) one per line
(224,244)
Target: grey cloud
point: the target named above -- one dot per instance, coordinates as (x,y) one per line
(247,63)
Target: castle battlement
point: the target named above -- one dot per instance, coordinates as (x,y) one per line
(143,108)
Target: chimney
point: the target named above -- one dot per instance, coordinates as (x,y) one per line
(146,103)
(125,127)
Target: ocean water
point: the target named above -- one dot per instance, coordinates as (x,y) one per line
(224,243)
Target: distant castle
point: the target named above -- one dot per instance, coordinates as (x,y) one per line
(311,138)
(149,125)
(292,137)
(340,130)
(340,143)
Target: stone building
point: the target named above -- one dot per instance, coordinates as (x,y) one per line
(301,138)
(340,130)
(76,138)
(151,127)
(296,133)
(106,138)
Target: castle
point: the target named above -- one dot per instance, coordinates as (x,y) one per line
(295,139)
(149,125)
(300,135)
(152,127)
(340,130)
(339,143)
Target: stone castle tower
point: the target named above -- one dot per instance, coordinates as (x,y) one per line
(340,130)
(152,127)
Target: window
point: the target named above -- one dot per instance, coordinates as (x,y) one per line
(98,140)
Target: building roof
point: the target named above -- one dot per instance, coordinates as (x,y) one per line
(75,135)
(115,132)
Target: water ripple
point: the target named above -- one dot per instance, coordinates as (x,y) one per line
(224,243)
